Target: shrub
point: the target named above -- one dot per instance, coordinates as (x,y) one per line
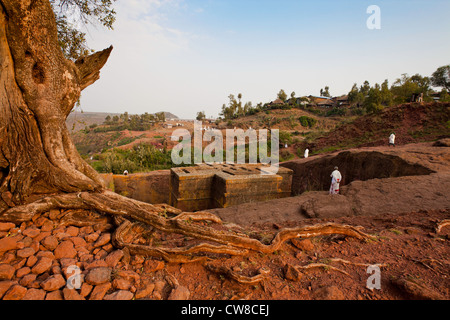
(143,157)
(374,108)
(125,141)
(307,121)
(336,112)
(285,155)
(285,137)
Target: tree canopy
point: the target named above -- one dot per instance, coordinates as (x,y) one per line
(441,77)
(282,95)
(72,15)
(325,92)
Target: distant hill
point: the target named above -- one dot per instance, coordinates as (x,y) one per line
(79,120)
(170,115)
(288,120)
(411,122)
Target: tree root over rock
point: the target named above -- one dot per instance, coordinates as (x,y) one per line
(320,265)
(357,263)
(442,224)
(222,270)
(128,212)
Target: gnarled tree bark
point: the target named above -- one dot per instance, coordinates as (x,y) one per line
(38,90)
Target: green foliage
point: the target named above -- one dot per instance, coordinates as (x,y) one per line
(160,116)
(235,108)
(282,95)
(285,137)
(125,141)
(356,111)
(375,98)
(68,13)
(292,122)
(441,77)
(355,96)
(314,110)
(285,155)
(336,112)
(141,158)
(325,92)
(405,87)
(72,41)
(201,115)
(444,96)
(134,122)
(372,99)
(307,122)
(374,107)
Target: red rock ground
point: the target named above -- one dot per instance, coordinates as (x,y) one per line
(37,258)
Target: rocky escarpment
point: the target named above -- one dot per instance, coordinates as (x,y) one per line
(375,181)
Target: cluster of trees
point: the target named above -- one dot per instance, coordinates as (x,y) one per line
(364,98)
(236,108)
(376,97)
(201,115)
(133,122)
(325,92)
(371,98)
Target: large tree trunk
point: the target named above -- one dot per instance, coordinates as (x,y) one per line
(38,90)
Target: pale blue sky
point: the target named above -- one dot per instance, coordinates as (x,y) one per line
(185,56)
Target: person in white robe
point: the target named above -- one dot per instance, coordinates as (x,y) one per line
(392,140)
(336,178)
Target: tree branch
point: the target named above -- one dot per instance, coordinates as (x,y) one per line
(89,67)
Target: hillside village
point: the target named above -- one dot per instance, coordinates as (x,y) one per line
(110,142)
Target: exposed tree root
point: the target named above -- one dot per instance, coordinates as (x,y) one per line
(215,240)
(83,218)
(320,265)
(172,255)
(442,224)
(198,216)
(221,270)
(357,263)
(425,262)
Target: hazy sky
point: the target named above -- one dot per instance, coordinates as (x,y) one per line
(185,56)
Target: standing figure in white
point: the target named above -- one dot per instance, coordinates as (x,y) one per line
(336,178)
(392,140)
